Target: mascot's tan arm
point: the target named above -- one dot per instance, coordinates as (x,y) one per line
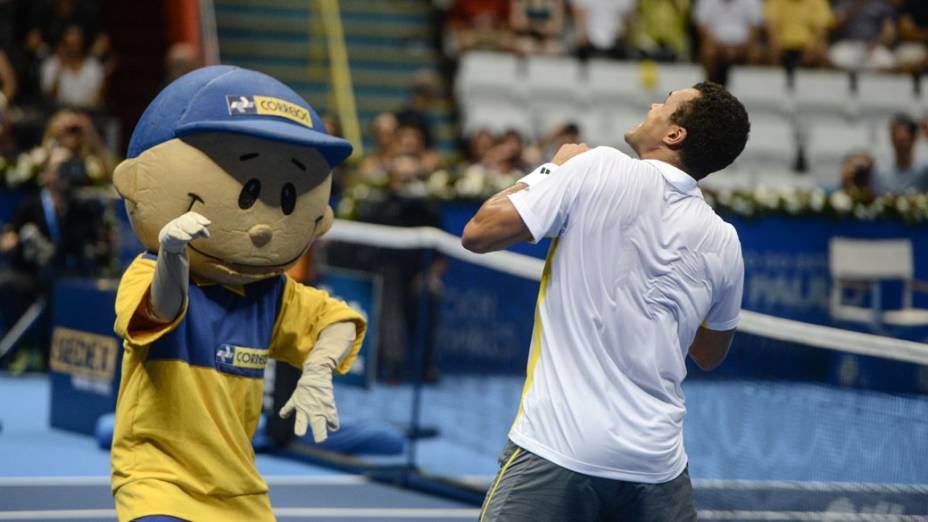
(172,270)
(313,399)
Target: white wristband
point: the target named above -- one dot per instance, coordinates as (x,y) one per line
(538,174)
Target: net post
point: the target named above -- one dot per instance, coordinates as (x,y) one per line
(420,352)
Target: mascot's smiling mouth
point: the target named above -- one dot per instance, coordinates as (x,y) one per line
(244,267)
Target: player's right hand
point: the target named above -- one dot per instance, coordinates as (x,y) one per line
(179,231)
(569,150)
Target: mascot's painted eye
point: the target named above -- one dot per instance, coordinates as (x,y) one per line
(288,198)
(250,193)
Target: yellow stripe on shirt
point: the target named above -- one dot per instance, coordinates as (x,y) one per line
(537,330)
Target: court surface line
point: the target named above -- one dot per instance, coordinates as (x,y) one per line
(328,513)
(812,516)
(271,480)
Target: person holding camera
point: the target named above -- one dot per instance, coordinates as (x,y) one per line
(52,234)
(75,131)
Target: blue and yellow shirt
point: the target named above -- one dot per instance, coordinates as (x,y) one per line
(191,392)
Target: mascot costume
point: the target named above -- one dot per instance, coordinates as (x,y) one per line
(227,185)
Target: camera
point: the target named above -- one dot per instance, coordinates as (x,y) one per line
(73,170)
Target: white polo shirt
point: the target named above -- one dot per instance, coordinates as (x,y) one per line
(639,261)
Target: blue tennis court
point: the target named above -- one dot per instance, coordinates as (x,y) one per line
(54,475)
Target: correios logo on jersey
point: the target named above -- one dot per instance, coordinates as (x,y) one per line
(268,106)
(239,360)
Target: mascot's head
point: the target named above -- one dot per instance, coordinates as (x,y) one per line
(246,152)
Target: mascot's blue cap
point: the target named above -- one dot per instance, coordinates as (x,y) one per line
(221,98)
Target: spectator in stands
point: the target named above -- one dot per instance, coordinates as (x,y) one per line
(902,173)
(912,52)
(478,145)
(602,27)
(478,24)
(863,33)
(373,166)
(71,77)
(180,59)
(52,19)
(425,88)
(537,26)
(409,140)
(797,32)
(8,83)
(857,176)
(8,147)
(661,30)
(551,142)
(506,156)
(729,33)
(75,132)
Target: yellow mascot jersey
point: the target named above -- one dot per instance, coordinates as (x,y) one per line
(191,392)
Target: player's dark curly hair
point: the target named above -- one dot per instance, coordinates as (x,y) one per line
(717,129)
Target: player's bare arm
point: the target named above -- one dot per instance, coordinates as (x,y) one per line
(710,347)
(497,224)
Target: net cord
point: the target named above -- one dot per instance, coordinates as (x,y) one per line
(778,328)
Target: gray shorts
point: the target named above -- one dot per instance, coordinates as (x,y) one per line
(531,489)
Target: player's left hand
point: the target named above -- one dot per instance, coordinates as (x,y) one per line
(314,403)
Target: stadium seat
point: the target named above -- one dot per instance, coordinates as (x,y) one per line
(496,117)
(490,92)
(830,142)
(823,93)
(761,89)
(608,125)
(555,91)
(860,265)
(673,76)
(487,73)
(772,142)
(612,83)
(882,95)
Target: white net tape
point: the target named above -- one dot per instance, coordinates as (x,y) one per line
(777,328)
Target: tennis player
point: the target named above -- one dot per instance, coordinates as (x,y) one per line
(641,272)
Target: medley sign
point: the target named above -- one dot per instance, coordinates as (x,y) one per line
(84,354)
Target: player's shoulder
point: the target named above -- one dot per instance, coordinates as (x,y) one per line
(607,161)
(730,240)
(606,153)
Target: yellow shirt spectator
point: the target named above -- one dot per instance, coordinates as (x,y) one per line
(798,25)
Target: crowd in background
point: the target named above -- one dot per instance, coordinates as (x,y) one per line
(877,35)
(58,147)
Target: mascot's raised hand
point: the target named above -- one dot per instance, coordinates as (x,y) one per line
(174,236)
(172,270)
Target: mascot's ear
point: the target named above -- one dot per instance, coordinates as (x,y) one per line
(327,218)
(124,179)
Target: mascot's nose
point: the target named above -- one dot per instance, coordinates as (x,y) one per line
(260,235)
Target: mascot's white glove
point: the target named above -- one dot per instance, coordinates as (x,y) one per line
(179,231)
(313,399)
(172,271)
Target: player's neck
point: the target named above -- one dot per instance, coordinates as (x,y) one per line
(665,155)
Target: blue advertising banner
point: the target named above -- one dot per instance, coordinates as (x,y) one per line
(362,292)
(786,267)
(85,355)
